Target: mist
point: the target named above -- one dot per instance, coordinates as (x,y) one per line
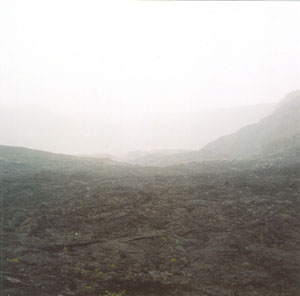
(110,77)
(149,148)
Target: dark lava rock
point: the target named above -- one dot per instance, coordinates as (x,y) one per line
(202,229)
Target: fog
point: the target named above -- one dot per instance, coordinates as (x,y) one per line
(85,77)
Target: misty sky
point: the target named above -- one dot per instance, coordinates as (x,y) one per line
(110,76)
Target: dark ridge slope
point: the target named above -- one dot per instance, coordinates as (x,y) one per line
(253,140)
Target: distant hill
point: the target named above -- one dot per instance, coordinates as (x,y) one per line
(277,133)
(253,140)
(19,160)
(271,135)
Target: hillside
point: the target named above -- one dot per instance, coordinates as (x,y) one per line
(253,140)
(19,161)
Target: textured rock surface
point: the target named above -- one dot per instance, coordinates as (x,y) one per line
(219,228)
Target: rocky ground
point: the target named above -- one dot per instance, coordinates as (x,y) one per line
(201,229)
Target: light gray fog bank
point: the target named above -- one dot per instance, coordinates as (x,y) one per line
(109,76)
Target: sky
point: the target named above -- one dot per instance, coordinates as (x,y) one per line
(83,76)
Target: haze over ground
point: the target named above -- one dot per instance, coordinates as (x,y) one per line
(108,77)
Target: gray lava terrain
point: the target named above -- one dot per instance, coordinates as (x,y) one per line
(84,227)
